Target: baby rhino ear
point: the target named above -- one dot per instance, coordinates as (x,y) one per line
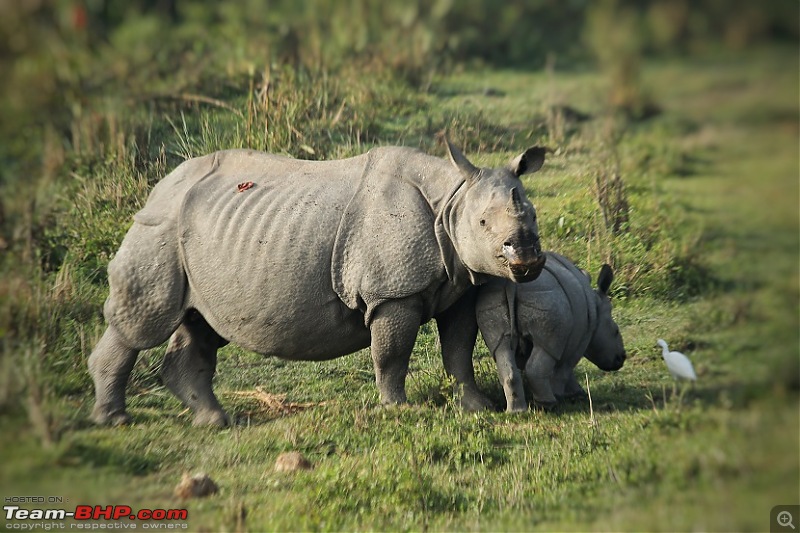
(529,161)
(605,278)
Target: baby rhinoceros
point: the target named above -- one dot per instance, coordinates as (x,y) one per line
(545,326)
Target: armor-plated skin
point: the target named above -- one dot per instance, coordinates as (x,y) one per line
(543,327)
(311,260)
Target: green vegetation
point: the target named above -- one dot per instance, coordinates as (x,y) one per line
(675,160)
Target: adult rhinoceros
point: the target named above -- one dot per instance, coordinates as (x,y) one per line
(311,260)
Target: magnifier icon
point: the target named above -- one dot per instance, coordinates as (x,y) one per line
(785,519)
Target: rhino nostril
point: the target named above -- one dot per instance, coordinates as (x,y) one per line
(506,244)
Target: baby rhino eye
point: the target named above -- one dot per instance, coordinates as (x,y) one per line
(483,222)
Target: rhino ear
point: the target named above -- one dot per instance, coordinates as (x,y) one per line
(528,161)
(605,278)
(467,169)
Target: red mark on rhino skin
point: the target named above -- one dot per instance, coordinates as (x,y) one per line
(244,186)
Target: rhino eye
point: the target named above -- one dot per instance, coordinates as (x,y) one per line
(483,222)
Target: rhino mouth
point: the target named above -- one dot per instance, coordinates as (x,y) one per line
(615,365)
(527,273)
(524,264)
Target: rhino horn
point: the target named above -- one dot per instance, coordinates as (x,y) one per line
(467,169)
(528,161)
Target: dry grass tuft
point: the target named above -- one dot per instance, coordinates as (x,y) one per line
(272,404)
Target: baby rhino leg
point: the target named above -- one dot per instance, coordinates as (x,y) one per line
(539,370)
(565,385)
(510,376)
(573,390)
(189,367)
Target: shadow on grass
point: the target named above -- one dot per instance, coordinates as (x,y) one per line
(627,398)
(110,456)
(622,397)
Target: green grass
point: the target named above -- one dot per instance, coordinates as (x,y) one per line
(707,260)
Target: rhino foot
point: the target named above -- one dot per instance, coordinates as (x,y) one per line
(211,418)
(393,400)
(545,406)
(473,401)
(517,408)
(118,418)
(574,396)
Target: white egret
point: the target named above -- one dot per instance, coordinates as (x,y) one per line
(678,364)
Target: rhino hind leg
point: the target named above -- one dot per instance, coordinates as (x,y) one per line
(144,306)
(110,365)
(147,286)
(539,370)
(189,366)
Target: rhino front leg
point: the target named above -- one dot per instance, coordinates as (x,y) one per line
(110,366)
(539,370)
(510,376)
(189,367)
(393,331)
(458,331)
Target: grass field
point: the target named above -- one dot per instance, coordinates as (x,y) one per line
(706,256)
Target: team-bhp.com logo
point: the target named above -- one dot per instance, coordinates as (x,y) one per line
(88,517)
